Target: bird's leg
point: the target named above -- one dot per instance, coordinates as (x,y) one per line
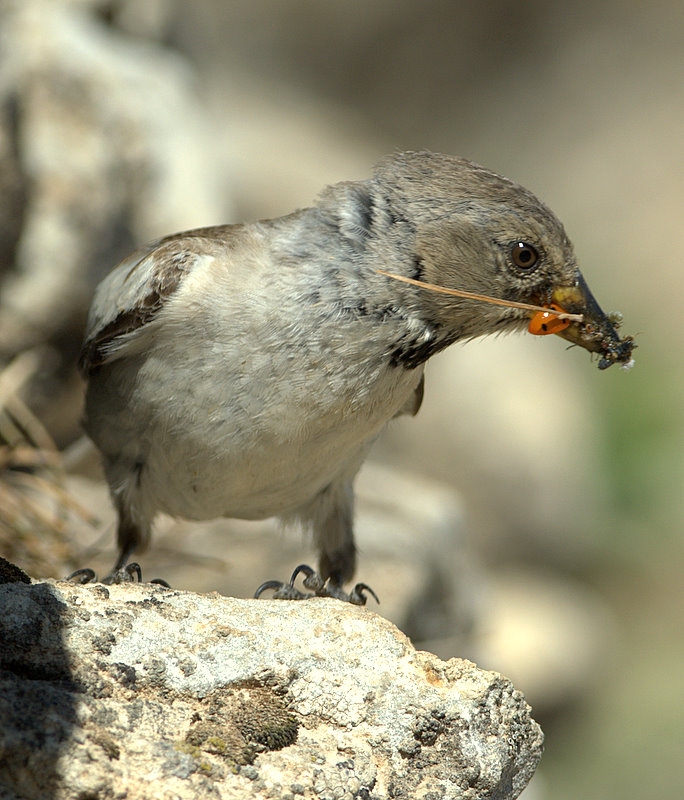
(331,515)
(129,536)
(123,571)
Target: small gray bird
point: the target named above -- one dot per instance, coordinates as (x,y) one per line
(245,370)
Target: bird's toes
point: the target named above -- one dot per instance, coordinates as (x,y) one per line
(82,576)
(282,591)
(130,573)
(357,596)
(318,586)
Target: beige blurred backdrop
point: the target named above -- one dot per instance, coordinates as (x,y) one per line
(559,486)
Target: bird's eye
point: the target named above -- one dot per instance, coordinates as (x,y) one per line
(524,256)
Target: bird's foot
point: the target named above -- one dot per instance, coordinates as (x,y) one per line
(130,573)
(318,586)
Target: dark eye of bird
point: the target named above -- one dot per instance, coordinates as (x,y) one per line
(524,256)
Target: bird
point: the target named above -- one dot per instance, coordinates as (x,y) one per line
(245,370)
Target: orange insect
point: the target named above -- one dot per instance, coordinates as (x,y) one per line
(546,322)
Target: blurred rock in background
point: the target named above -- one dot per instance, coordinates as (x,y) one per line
(535,521)
(106,145)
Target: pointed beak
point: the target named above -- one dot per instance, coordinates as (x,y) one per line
(596,332)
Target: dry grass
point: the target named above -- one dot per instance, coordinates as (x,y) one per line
(36,510)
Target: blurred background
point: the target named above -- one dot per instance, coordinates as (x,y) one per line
(530,517)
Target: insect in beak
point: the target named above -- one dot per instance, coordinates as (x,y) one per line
(546,322)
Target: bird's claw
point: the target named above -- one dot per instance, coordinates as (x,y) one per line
(82,576)
(130,573)
(318,586)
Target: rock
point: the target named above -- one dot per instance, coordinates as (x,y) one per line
(104,145)
(142,691)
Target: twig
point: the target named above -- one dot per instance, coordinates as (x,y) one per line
(496,301)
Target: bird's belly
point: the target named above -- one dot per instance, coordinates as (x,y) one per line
(251,484)
(253,457)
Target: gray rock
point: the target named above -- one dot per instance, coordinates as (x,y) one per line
(103,144)
(144,692)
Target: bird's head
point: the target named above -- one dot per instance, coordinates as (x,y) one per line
(477,233)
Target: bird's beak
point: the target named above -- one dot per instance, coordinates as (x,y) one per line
(596,332)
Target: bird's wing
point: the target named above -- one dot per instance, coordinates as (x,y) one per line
(132,295)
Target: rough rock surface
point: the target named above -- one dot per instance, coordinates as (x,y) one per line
(147,692)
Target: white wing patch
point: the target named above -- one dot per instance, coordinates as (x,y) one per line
(132,295)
